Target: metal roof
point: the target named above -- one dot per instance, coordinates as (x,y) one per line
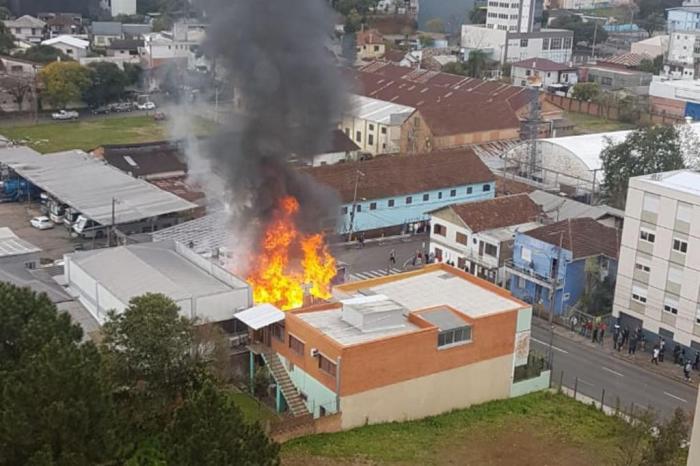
(37,280)
(379,111)
(89,185)
(107,28)
(562,208)
(12,245)
(207,233)
(68,40)
(260,316)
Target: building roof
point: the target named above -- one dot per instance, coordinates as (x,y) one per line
(562,208)
(37,280)
(394,55)
(129,271)
(107,28)
(369,37)
(26,21)
(207,234)
(145,159)
(542,64)
(68,40)
(125,44)
(136,29)
(12,245)
(450,104)
(497,213)
(340,142)
(260,316)
(397,175)
(660,40)
(687,181)
(584,237)
(378,111)
(627,59)
(90,185)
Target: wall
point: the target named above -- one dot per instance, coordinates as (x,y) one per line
(535,47)
(694,451)
(317,394)
(679,20)
(385,138)
(536,384)
(123,7)
(431,394)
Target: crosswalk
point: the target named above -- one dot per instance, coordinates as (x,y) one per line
(376,273)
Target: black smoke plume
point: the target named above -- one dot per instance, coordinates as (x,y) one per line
(274,52)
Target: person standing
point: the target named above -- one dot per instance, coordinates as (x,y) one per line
(601,332)
(662,349)
(655,355)
(686,371)
(594,335)
(574,321)
(696,363)
(392,257)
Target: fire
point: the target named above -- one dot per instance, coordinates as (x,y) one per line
(290,262)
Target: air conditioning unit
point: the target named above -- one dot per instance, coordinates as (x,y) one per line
(314,352)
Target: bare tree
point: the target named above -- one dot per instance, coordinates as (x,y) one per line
(20,87)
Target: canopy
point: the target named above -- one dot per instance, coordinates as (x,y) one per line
(260,316)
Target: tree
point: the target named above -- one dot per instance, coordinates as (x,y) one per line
(209,430)
(653,66)
(42,54)
(108,83)
(426,40)
(435,25)
(645,151)
(7,40)
(20,87)
(477,15)
(133,72)
(652,23)
(64,82)
(583,32)
(54,405)
(664,448)
(585,91)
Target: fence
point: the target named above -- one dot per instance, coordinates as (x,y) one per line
(610,112)
(295,427)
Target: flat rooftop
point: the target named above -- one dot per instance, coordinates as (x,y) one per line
(687,181)
(12,245)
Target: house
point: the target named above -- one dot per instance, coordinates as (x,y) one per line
(618,73)
(658,277)
(375,125)
(683,18)
(397,348)
(121,7)
(557,208)
(18,84)
(148,161)
(72,46)
(370,45)
(653,46)
(106,280)
(546,74)
(124,48)
(509,46)
(102,33)
(451,110)
(26,28)
(551,262)
(58,24)
(395,193)
(136,30)
(19,66)
(15,250)
(678,98)
(478,236)
(340,149)
(683,55)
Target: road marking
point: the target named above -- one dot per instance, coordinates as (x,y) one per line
(376,273)
(676,397)
(612,371)
(585,383)
(547,344)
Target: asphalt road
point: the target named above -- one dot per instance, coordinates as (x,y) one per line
(597,370)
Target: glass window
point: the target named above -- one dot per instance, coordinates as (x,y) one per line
(371,127)
(344,210)
(545,43)
(426,197)
(372,206)
(296,345)
(358,208)
(453,193)
(639,294)
(390,203)
(440,195)
(567,42)
(454,336)
(555,43)
(370,139)
(648,236)
(523,42)
(440,229)
(684,212)
(680,245)
(409,200)
(651,203)
(358,136)
(461,238)
(469,190)
(383,129)
(326,365)
(487,187)
(490,250)
(278,332)
(671,305)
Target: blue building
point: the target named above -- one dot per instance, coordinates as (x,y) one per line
(389,193)
(538,265)
(683,18)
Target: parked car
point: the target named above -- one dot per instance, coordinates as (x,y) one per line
(147,106)
(123,107)
(101,110)
(65,115)
(41,223)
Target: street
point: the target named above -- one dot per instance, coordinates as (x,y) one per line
(597,370)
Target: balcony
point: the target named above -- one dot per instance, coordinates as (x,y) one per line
(530,275)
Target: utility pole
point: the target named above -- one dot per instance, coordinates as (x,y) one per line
(595,34)
(112,226)
(358,174)
(554,281)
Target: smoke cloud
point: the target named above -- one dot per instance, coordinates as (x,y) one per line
(291,98)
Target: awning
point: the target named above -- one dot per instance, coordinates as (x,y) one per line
(260,316)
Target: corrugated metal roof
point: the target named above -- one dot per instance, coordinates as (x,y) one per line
(12,245)
(379,111)
(562,208)
(89,185)
(260,316)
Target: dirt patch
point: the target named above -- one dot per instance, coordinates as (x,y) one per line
(302,460)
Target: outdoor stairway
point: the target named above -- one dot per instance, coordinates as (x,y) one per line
(296,405)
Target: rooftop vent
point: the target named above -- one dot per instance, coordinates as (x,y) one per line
(373,313)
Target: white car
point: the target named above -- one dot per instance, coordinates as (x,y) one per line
(42,223)
(65,115)
(147,106)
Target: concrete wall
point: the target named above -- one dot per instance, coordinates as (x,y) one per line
(694,453)
(317,394)
(535,384)
(384,138)
(430,395)
(679,20)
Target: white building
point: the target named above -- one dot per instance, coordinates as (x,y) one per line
(659,271)
(539,72)
(26,28)
(509,47)
(375,125)
(72,46)
(653,46)
(478,236)
(683,55)
(514,15)
(122,7)
(107,279)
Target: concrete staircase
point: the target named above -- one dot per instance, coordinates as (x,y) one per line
(296,405)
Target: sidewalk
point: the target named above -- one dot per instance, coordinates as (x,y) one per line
(641,358)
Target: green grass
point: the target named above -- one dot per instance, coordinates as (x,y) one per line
(621,13)
(558,421)
(88,134)
(253,411)
(586,124)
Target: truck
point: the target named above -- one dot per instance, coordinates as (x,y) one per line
(57,211)
(17,189)
(87,228)
(65,115)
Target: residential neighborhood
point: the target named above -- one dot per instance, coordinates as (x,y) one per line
(349,232)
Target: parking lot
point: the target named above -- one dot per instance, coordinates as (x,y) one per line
(54,242)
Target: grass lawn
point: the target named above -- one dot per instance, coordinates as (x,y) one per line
(90,133)
(253,411)
(620,13)
(537,429)
(586,124)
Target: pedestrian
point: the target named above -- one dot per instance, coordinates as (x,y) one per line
(683,358)
(594,335)
(686,371)
(601,332)
(643,341)
(573,321)
(620,341)
(392,257)
(625,336)
(632,348)
(361,239)
(696,363)
(662,349)
(655,355)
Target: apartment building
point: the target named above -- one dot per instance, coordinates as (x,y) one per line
(514,15)
(375,125)
(658,278)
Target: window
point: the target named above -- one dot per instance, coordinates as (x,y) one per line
(376,48)
(69,51)
(642,265)
(455,336)
(651,203)
(390,203)
(671,305)
(383,129)
(490,250)
(680,245)
(326,365)
(358,208)
(409,200)
(358,136)
(469,190)
(648,236)
(567,42)
(440,229)
(371,127)
(545,43)
(344,210)
(453,193)
(278,332)
(461,238)
(426,197)
(521,282)
(440,195)
(347,131)
(526,254)
(487,187)
(372,206)
(370,139)
(555,43)
(296,345)
(523,42)
(528,72)
(605,81)
(684,212)
(639,294)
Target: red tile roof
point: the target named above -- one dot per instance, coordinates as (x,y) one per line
(584,237)
(628,59)
(497,213)
(542,64)
(369,37)
(398,175)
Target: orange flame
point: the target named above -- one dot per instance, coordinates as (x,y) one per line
(276,277)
